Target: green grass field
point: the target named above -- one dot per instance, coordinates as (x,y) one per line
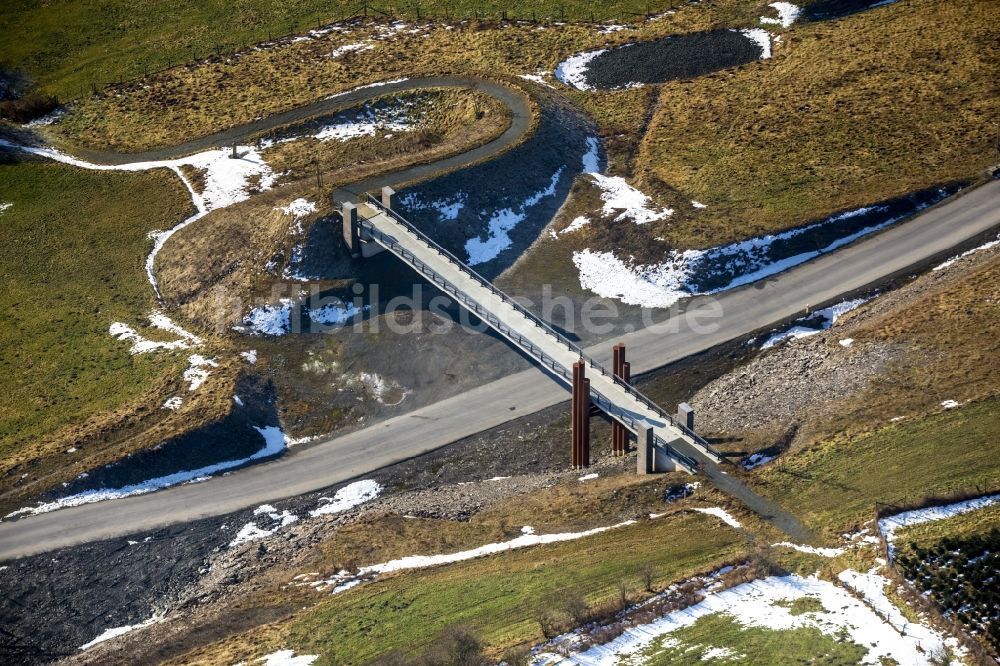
(735,644)
(72,247)
(68,45)
(834,486)
(498,597)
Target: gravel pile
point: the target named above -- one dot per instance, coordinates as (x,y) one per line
(777,388)
(672,58)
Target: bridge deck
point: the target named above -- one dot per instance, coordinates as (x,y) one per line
(558,355)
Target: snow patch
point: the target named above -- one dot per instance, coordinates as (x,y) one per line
(197,371)
(227,181)
(251,531)
(573,70)
(575,225)
(889,525)
(480,251)
(589,477)
(625,202)
(825,318)
(762,37)
(250,356)
(269,319)
(591,159)
(335,313)
(298,208)
(871,586)
(118,631)
(523,541)
(274,443)
(536,78)
(787,14)
(287,658)
(949,404)
(348,48)
(663,284)
(348,497)
(755,460)
(814,550)
(846,342)
(721,514)
(949,262)
(173,403)
(763,603)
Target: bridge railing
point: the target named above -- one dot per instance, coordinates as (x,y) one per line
(494,321)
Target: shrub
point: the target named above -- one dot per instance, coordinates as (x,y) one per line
(28,108)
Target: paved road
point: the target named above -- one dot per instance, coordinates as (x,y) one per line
(555,352)
(341,458)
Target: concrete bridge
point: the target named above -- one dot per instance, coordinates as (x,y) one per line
(664,443)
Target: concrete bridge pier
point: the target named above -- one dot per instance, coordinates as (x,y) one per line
(350,229)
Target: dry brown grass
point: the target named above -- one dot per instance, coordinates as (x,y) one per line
(196,99)
(848,112)
(447,122)
(952,333)
(210,268)
(108,436)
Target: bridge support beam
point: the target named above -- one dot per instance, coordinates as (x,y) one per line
(580,419)
(351,231)
(685,414)
(621,369)
(645,454)
(388,197)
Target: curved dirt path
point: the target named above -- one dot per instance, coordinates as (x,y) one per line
(515,101)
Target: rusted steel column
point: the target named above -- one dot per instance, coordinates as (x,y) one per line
(580,417)
(585,420)
(575,417)
(627,376)
(619,434)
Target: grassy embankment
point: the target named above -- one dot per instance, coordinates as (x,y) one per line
(848,112)
(67,46)
(833,121)
(954,562)
(182,103)
(71,257)
(501,598)
(891,441)
(228,249)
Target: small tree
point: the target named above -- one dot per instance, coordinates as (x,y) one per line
(548,621)
(456,646)
(576,606)
(648,574)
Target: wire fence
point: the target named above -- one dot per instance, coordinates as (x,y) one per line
(909,591)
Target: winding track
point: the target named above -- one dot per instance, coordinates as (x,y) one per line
(896,250)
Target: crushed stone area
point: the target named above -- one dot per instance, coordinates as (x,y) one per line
(676,57)
(776,388)
(772,390)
